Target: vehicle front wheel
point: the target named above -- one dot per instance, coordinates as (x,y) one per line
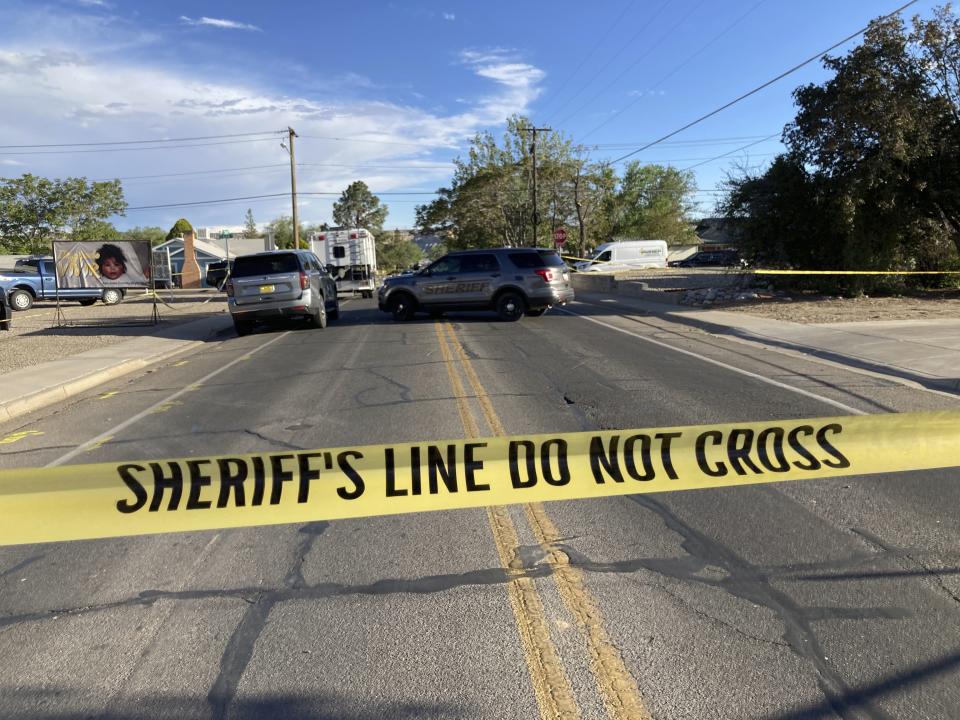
(511,306)
(536,312)
(404,307)
(86,302)
(20,300)
(335,313)
(112,296)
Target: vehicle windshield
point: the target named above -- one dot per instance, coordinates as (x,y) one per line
(248,265)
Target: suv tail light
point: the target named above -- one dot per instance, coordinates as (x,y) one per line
(228,286)
(545,273)
(304,280)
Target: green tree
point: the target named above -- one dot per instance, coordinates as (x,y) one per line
(654,202)
(489,201)
(593,186)
(35,210)
(871,176)
(250,225)
(282,230)
(396,252)
(359,208)
(156,235)
(180,227)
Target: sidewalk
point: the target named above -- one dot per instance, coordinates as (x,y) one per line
(926,352)
(34,387)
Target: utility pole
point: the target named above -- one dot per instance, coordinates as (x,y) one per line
(293,189)
(533,152)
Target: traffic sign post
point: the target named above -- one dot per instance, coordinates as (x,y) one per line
(559,236)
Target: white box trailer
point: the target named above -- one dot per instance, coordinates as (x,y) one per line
(352,255)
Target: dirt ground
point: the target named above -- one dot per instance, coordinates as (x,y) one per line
(35,338)
(816,309)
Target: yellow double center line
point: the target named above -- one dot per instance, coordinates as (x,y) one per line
(549,679)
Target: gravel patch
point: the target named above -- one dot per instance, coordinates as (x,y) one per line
(34,339)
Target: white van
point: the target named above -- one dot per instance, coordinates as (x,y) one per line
(626,255)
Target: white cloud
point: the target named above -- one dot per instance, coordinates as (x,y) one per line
(94,3)
(218,23)
(71,92)
(449,16)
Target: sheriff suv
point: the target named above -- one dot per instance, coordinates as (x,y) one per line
(511,281)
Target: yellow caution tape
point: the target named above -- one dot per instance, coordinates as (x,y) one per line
(853,272)
(203,493)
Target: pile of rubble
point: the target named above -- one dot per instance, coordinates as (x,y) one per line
(708,297)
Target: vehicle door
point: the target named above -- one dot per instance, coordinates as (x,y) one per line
(48,282)
(478,279)
(436,284)
(318,278)
(266,278)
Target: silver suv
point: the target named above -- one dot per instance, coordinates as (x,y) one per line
(512,281)
(280,284)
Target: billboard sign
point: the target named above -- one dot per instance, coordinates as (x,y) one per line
(118,264)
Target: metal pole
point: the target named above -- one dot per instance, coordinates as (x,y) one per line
(533,152)
(293,190)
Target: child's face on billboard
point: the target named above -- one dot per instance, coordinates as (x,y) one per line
(112,268)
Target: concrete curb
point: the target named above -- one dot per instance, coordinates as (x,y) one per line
(205,329)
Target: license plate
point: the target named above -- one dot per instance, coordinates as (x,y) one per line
(264,289)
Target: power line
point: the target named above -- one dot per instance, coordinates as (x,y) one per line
(362,140)
(679,67)
(701,142)
(614,57)
(763,86)
(198,172)
(134,149)
(240,170)
(336,193)
(734,152)
(207,202)
(563,85)
(143,142)
(636,62)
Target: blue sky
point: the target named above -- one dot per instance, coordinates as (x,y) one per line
(400,85)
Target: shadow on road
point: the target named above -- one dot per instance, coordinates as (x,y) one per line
(52,704)
(865,694)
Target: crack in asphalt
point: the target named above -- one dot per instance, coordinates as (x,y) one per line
(925,570)
(239,649)
(274,441)
(749,582)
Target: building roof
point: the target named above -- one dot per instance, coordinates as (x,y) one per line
(175,247)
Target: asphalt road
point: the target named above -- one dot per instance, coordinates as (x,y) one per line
(833,598)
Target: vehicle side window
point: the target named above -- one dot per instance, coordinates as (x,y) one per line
(526,260)
(445,266)
(604,256)
(479,263)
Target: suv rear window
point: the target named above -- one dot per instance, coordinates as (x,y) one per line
(528,259)
(265,265)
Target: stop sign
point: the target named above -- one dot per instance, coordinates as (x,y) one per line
(559,236)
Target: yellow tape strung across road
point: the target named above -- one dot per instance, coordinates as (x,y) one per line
(174,495)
